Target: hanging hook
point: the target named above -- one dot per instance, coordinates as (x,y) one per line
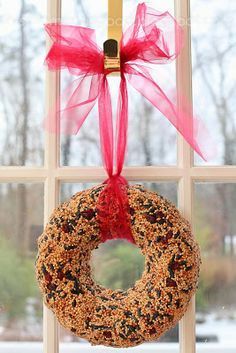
(111,46)
(111,55)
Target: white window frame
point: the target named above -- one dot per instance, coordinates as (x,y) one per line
(185,173)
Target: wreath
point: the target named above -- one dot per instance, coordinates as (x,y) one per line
(114,317)
(114,209)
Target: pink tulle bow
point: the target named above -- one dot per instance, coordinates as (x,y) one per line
(153,38)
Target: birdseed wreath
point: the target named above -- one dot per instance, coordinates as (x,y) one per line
(115,317)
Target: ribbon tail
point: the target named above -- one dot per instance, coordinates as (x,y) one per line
(123,227)
(112,205)
(191,128)
(113,210)
(121,124)
(80,97)
(106,126)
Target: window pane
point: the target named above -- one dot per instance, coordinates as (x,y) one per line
(110,262)
(166,189)
(22,82)
(21,222)
(215,228)
(150,134)
(214,50)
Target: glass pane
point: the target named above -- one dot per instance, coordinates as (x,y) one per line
(118,264)
(214,50)
(215,228)
(150,134)
(22,82)
(166,189)
(21,222)
(69,189)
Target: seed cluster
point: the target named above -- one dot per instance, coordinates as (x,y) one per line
(115,317)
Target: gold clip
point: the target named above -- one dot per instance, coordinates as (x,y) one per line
(111,55)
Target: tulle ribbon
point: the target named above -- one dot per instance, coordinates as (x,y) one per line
(153,38)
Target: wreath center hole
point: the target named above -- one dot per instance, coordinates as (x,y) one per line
(117,264)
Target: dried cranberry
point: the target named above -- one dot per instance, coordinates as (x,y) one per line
(150,218)
(160,214)
(88,214)
(170,283)
(51,286)
(131,211)
(175,265)
(107,334)
(65,228)
(60,275)
(47,277)
(152,331)
(169,235)
(164,240)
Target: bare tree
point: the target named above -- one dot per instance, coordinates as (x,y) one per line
(145,130)
(23,129)
(81,15)
(17,89)
(213,64)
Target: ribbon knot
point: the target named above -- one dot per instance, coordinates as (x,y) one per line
(153,38)
(113,209)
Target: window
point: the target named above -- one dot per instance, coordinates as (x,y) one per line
(39,170)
